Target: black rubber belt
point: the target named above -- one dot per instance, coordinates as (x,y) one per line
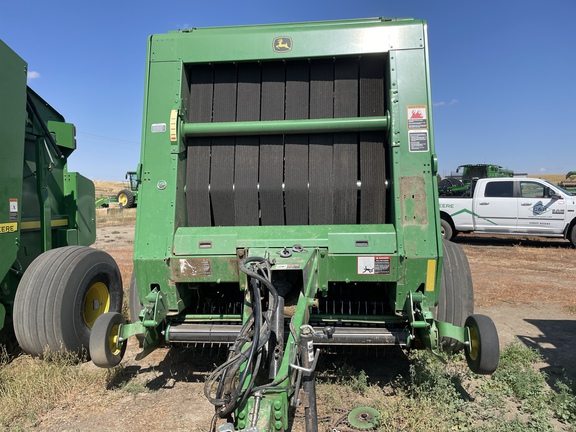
(271,148)
(320,164)
(247,148)
(222,160)
(372,156)
(198,154)
(345,165)
(296,146)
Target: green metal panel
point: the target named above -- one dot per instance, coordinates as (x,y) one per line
(81,208)
(12,119)
(339,239)
(64,134)
(330,38)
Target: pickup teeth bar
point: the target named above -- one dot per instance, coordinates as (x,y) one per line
(325,335)
(344,309)
(350,308)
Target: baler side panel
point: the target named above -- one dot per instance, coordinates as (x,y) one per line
(415,205)
(12,120)
(161,159)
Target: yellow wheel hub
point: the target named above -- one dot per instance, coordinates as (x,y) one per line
(123,200)
(96,303)
(474,344)
(113,340)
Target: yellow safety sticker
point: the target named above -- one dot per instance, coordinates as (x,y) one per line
(29,225)
(430,275)
(8,227)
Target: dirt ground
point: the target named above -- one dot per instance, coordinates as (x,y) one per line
(526,285)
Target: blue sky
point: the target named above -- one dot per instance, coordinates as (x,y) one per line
(503,72)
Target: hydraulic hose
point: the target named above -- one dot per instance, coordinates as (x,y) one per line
(246,351)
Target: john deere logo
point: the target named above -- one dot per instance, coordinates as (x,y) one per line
(282,44)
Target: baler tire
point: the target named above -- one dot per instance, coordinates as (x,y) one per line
(103,340)
(125,198)
(456,298)
(446,229)
(135,305)
(54,302)
(483,352)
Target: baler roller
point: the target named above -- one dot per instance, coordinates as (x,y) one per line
(286,127)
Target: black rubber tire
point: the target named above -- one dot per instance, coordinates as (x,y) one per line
(446,229)
(135,305)
(572,235)
(483,354)
(129,198)
(105,353)
(49,306)
(456,297)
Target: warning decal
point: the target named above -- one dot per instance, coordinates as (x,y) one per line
(418,141)
(373,265)
(13,209)
(417,117)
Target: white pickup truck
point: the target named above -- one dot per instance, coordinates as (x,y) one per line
(519,206)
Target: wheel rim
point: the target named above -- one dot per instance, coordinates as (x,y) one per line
(113,340)
(96,303)
(123,199)
(474,344)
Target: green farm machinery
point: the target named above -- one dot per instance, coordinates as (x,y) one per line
(289,201)
(128,198)
(125,198)
(461,185)
(570,183)
(53,287)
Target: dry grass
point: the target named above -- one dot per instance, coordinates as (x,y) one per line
(29,387)
(552,178)
(115,216)
(108,188)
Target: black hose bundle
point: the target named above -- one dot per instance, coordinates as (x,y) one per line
(230,385)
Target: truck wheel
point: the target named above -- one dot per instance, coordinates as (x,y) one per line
(61,295)
(483,352)
(125,198)
(104,340)
(456,298)
(135,305)
(446,229)
(572,237)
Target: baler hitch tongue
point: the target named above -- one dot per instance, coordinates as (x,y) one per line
(231,387)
